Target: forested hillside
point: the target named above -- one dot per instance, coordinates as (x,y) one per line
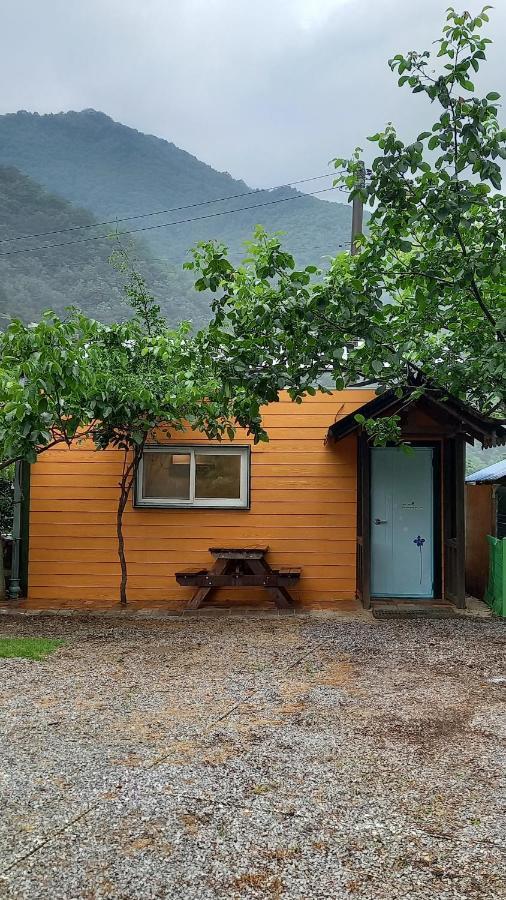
(476,458)
(112,170)
(78,275)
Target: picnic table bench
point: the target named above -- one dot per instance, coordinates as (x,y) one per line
(240,567)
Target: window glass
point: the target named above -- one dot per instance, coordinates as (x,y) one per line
(217,476)
(186,476)
(166,475)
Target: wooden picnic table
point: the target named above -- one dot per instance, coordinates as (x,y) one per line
(240,567)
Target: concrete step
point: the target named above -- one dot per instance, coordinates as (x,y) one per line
(413,610)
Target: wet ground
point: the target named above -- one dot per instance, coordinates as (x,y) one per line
(299,757)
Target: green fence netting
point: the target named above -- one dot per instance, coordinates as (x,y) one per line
(495,595)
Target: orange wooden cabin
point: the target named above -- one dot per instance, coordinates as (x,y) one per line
(310,494)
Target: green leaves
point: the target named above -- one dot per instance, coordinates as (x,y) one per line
(62,380)
(423,295)
(381,431)
(44,373)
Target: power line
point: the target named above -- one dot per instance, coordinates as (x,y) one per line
(225,212)
(160,212)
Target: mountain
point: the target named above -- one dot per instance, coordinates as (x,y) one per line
(115,171)
(73,275)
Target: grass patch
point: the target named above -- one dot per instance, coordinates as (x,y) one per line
(27,648)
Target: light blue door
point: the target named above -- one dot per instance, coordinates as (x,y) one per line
(402,518)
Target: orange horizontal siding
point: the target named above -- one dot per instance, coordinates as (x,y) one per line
(283,511)
(47,547)
(268,483)
(225,596)
(162,579)
(213,536)
(326,566)
(303,505)
(261,502)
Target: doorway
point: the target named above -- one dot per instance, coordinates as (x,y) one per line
(402,522)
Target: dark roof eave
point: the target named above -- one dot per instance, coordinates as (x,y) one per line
(491,432)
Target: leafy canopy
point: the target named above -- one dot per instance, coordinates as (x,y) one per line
(151,376)
(425,296)
(47,383)
(66,378)
(437,235)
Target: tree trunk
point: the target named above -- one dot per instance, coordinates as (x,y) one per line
(127,479)
(121,543)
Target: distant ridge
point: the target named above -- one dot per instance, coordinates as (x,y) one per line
(78,275)
(103,169)
(114,170)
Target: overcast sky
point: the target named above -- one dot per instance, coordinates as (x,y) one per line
(268,90)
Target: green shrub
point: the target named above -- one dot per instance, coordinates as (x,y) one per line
(6,500)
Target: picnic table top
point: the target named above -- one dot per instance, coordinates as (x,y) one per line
(240,552)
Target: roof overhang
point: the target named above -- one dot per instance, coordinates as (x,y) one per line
(466,420)
(494,474)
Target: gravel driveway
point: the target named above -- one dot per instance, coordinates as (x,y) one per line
(305,757)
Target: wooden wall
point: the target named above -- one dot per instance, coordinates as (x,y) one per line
(480,521)
(303,506)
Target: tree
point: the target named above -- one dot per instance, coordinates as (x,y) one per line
(437,235)
(151,382)
(65,380)
(46,393)
(425,296)
(47,383)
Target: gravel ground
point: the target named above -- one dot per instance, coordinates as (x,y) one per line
(295,757)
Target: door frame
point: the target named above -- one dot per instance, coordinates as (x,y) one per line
(364,518)
(454,516)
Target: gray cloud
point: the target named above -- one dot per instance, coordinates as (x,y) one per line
(269,90)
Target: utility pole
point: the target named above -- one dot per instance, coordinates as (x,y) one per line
(357,213)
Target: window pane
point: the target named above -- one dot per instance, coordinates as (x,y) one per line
(217,476)
(166,475)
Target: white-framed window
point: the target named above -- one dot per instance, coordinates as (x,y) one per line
(193,476)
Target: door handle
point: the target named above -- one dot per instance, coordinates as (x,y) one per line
(380,521)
